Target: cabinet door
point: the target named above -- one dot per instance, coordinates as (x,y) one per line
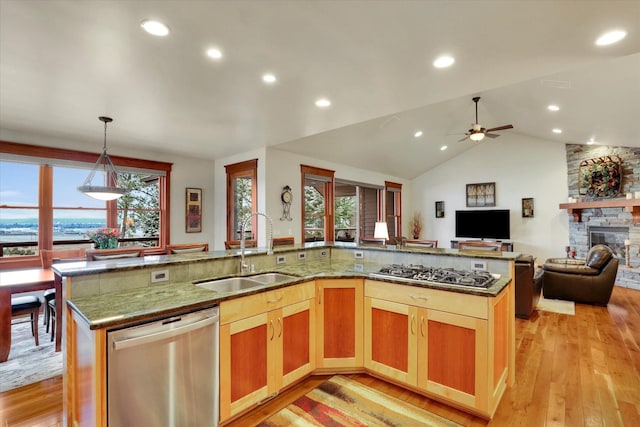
(340,323)
(244,354)
(296,331)
(452,361)
(391,339)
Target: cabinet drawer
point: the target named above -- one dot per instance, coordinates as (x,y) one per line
(452,302)
(251,305)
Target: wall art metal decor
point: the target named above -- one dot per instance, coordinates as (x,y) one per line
(527,207)
(600,177)
(481,195)
(194,210)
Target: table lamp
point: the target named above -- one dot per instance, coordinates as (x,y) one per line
(381,232)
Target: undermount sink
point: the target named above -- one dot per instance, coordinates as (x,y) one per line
(232,284)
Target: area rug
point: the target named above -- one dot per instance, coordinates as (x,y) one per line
(27,363)
(341,402)
(557,306)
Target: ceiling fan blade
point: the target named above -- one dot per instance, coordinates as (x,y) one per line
(500,128)
(491,135)
(463,139)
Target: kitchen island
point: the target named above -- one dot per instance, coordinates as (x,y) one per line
(324,320)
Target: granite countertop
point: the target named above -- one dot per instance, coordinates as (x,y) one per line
(145,304)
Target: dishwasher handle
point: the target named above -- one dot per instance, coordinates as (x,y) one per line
(169,333)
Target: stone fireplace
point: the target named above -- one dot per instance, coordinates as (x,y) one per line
(613,237)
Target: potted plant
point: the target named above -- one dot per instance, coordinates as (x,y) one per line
(104,238)
(416,225)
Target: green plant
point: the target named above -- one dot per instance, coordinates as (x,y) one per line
(600,177)
(104,237)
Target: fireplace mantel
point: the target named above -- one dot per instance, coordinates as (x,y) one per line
(629,205)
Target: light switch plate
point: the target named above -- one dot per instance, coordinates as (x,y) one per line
(281,259)
(302,256)
(358,255)
(323,253)
(159,276)
(478,265)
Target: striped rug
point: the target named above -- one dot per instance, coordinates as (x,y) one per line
(342,402)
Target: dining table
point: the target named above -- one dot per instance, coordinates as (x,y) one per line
(28,280)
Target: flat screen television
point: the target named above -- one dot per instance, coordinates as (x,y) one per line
(483,224)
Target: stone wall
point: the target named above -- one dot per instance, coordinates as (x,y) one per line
(628,276)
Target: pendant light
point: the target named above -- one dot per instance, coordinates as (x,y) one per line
(104,164)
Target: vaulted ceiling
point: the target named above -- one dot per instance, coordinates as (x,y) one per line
(64,63)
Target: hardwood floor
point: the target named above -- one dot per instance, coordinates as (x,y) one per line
(581,370)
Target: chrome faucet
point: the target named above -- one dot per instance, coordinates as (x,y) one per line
(244,268)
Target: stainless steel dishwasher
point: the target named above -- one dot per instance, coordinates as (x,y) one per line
(164,373)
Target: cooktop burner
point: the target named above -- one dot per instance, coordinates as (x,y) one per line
(450,276)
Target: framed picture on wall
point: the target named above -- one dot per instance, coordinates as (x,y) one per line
(440,209)
(194,210)
(481,195)
(527,207)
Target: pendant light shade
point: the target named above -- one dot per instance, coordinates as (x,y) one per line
(104,164)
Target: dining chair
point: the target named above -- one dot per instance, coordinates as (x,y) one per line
(235,244)
(420,243)
(480,245)
(49,257)
(30,305)
(283,241)
(183,248)
(108,254)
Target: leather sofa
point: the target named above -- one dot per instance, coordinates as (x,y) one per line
(588,281)
(528,286)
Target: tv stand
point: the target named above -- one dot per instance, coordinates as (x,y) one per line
(506,246)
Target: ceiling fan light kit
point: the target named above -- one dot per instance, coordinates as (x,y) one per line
(104,164)
(477,132)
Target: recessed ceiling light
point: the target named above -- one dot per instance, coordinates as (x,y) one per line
(323,103)
(553,108)
(556,130)
(214,53)
(154,27)
(269,78)
(444,147)
(610,38)
(418,134)
(444,61)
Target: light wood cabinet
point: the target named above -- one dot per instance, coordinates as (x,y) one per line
(414,339)
(339,321)
(267,350)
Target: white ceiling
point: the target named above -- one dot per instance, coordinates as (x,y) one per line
(64,63)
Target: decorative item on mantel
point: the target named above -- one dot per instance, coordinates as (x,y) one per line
(104,238)
(600,177)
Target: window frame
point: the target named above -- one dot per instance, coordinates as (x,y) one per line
(247,168)
(328,175)
(39,154)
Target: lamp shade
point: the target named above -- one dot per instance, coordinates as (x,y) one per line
(478,136)
(381,231)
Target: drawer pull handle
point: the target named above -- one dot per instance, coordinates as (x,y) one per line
(419,297)
(422,326)
(271,301)
(413,318)
(273,330)
(280,322)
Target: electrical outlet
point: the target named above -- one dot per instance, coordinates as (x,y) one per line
(302,256)
(479,265)
(281,259)
(323,253)
(159,276)
(358,267)
(358,255)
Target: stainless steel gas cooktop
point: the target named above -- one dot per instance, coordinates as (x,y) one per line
(471,278)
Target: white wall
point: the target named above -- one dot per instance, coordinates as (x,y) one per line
(521,167)
(186,172)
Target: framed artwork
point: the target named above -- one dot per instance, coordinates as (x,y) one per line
(481,195)
(527,207)
(440,209)
(194,210)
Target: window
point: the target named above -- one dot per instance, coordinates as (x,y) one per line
(317,209)
(43,209)
(357,208)
(242,200)
(393,209)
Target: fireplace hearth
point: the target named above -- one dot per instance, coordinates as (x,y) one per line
(613,237)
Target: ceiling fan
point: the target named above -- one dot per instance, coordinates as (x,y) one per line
(477,132)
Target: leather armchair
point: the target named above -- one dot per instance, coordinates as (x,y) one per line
(528,286)
(588,281)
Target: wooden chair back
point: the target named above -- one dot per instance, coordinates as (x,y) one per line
(283,241)
(49,256)
(235,244)
(480,245)
(181,248)
(367,241)
(420,243)
(106,254)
